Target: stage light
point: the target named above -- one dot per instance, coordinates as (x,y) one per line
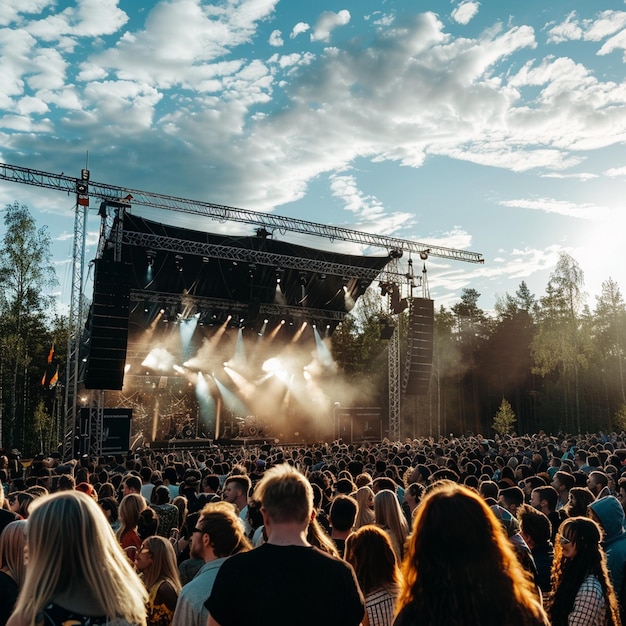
(424,254)
(303,277)
(262,232)
(178,262)
(150,256)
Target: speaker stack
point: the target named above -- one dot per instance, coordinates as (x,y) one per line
(108,326)
(420,356)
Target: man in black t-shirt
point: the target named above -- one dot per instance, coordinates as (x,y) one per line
(285,580)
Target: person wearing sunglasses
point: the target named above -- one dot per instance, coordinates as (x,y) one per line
(582,593)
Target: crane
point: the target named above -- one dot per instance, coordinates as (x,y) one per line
(117,196)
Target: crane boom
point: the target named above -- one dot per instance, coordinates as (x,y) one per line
(224,213)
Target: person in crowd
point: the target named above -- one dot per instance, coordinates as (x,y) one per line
(236,491)
(19,503)
(536,531)
(371,554)
(131,484)
(76,573)
(12,569)
(167,513)
(579,500)
(342,515)
(217,535)
(598,484)
(544,499)
(582,593)
(389,517)
(609,514)
(460,568)
(180,503)
(156,563)
(365,506)
(291,567)
(511,498)
(6,515)
(110,507)
(130,509)
(562,482)
(318,538)
(413,495)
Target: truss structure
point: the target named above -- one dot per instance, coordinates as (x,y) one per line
(121,197)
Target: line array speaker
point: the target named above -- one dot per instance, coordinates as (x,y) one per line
(108,325)
(421,332)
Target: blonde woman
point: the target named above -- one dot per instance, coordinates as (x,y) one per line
(131,508)
(76,572)
(12,568)
(364,506)
(156,562)
(390,518)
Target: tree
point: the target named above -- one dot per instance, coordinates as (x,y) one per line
(26,274)
(561,345)
(504,420)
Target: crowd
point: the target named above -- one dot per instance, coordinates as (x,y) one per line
(460,530)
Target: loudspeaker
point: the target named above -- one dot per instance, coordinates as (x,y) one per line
(420,356)
(108,325)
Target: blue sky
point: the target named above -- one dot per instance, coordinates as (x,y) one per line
(495,127)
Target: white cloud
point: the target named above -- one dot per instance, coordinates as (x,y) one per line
(562,207)
(616,171)
(298,29)
(327,22)
(276,39)
(465,12)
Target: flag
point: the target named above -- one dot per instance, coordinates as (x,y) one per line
(54,379)
(51,353)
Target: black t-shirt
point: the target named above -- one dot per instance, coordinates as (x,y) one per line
(275,585)
(8,596)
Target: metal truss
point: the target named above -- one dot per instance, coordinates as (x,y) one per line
(233,253)
(230,306)
(222,213)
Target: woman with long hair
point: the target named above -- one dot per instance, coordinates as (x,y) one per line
(129,512)
(578,500)
(156,563)
(390,518)
(364,506)
(12,570)
(460,567)
(370,553)
(582,594)
(76,572)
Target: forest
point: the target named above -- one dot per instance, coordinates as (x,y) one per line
(556,361)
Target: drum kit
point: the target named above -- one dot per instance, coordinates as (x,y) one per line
(241,427)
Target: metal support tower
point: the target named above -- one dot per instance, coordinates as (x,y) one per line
(76,314)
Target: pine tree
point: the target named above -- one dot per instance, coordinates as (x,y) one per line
(505,419)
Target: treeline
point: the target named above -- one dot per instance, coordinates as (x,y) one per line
(558,361)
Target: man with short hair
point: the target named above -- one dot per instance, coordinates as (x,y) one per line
(285,580)
(598,484)
(216,536)
(342,515)
(131,484)
(536,530)
(544,499)
(236,491)
(562,482)
(510,499)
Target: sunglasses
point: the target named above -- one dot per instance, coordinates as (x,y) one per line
(564,540)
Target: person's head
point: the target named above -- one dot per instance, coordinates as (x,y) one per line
(413,494)
(534,525)
(370,553)
(160,495)
(12,550)
(578,500)
(218,533)
(20,501)
(342,513)
(69,541)
(129,511)
(544,499)
(365,497)
(386,507)
(110,508)
(156,560)
(597,481)
(457,540)
(563,481)
(236,490)
(148,523)
(510,498)
(131,484)
(285,495)
(211,483)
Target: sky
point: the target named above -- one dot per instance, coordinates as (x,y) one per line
(491,127)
